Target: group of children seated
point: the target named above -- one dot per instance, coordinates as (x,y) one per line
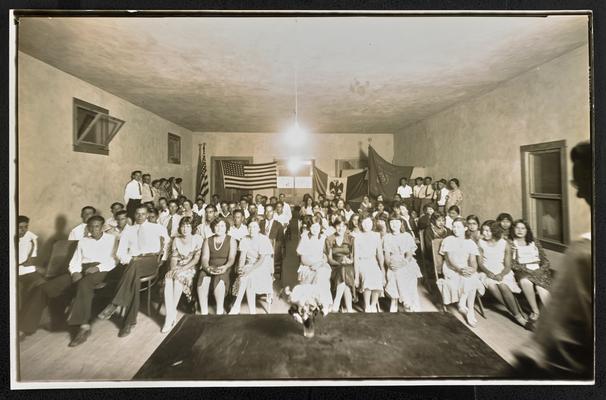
(237,248)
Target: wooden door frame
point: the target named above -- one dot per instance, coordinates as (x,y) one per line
(213,185)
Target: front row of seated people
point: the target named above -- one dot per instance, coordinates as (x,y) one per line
(367,256)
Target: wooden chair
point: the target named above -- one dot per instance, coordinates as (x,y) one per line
(438,263)
(149,282)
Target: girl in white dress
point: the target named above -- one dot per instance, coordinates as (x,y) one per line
(369,265)
(462,281)
(314,268)
(495,264)
(254,268)
(402,269)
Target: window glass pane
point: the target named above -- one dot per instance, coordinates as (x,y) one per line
(549,219)
(303,182)
(97,133)
(286,182)
(84,118)
(546,173)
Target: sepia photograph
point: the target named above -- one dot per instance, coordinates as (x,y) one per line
(328,198)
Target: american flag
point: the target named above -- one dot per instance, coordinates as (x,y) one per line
(202,174)
(249,176)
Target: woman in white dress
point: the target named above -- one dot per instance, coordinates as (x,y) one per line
(402,269)
(462,281)
(254,268)
(495,264)
(185,254)
(314,268)
(369,265)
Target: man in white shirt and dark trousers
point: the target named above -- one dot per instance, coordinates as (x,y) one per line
(143,248)
(147,192)
(90,265)
(133,193)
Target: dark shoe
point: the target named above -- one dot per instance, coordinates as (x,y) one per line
(80,338)
(125,331)
(107,312)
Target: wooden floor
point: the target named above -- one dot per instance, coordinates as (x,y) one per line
(45,355)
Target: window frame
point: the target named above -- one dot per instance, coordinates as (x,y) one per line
(528,196)
(292,191)
(177,139)
(78,144)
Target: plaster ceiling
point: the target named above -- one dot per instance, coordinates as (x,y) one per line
(357,74)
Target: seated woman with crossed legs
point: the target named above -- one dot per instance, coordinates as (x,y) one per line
(218,256)
(185,254)
(495,264)
(462,281)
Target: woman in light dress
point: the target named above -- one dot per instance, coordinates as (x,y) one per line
(495,263)
(314,268)
(254,269)
(402,269)
(531,267)
(185,254)
(369,265)
(462,280)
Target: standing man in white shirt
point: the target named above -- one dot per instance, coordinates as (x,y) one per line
(147,192)
(143,248)
(442,195)
(90,265)
(405,192)
(133,193)
(80,230)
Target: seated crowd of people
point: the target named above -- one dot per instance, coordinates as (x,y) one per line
(232,250)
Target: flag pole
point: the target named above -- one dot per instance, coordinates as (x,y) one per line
(368,173)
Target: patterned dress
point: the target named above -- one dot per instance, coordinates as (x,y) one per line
(184,253)
(530,262)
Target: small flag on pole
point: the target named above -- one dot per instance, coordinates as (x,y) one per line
(202,183)
(249,176)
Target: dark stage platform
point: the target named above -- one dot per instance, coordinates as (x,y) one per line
(384,345)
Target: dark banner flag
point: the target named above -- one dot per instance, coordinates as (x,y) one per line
(384,177)
(357,187)
(320,179)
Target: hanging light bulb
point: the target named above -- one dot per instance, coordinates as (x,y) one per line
(296,136)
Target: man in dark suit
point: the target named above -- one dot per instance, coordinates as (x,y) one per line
(273,229)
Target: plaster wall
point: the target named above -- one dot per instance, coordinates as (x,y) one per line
(55,182)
